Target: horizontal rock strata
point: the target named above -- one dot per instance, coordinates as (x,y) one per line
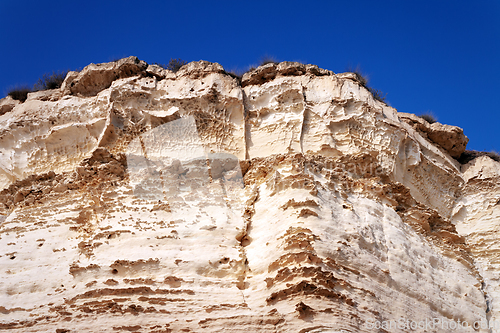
(136,199)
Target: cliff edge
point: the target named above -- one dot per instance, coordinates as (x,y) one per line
(138,199)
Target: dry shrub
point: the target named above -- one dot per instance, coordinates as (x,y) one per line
(470,155)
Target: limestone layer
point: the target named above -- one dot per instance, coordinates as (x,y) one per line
(290,200)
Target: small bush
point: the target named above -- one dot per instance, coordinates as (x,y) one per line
(363,80)
(470,155)
(47,81)
(173,65)
(20,94)
(50,81)
(377,94)
(429,118)
(235,74)
(267,60)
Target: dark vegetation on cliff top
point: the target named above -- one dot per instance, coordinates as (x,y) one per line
(50,81)
(173,65)
(469,155)
(20,93)
(428,117)
(363,80)
(46,82)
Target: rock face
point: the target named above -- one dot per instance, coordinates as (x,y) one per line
(450,138)
(7,104)
(138,199)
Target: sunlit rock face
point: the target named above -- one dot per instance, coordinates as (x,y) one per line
(138,199)
(477,217)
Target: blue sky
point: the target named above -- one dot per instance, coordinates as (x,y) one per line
(428,56)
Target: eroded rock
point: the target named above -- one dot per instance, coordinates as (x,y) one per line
(292,202)
(450,138)
(97,77)
(7,104)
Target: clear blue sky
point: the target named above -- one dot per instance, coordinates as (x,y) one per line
(428,56)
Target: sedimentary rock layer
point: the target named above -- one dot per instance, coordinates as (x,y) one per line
(138,199)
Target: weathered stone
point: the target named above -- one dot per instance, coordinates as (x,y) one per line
(450,138)
(7,104)
(45,95)
(159,72)
(199,69)
(294,202)
(96,77)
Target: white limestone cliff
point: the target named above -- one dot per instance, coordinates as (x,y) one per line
(138,199)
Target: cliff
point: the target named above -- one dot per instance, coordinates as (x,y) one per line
(290,200)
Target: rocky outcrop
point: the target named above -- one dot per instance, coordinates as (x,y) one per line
(271,71)
(7,104)
(97,77)
(450,138)
(138,199)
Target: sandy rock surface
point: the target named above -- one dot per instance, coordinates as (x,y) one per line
(139,199)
